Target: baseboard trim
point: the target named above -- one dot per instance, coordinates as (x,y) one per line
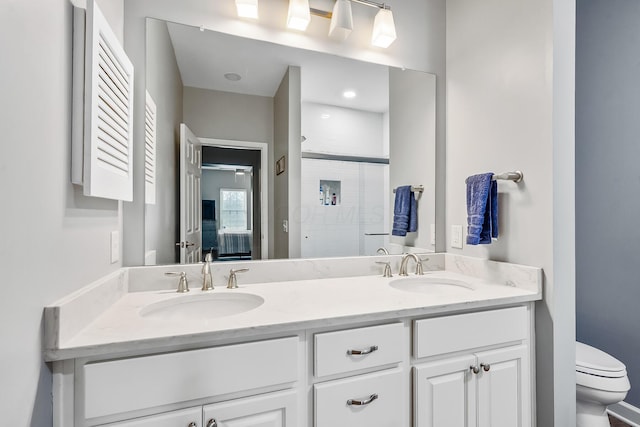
(625,412)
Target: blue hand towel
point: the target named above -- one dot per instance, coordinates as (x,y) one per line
(405,212)
(482,209)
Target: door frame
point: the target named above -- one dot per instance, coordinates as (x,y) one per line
(263,147)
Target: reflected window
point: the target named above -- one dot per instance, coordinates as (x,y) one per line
(233,210)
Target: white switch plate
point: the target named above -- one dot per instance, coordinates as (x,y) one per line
(115,247)
(456,236)
(433,234)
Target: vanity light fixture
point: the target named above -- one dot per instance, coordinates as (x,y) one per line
(299,15)
(247,8)
(341,20)
(384,30)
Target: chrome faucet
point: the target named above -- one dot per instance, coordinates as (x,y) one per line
(405,261)
(183,284)
(387,268)
(232,283)
(207,279)
(382,250)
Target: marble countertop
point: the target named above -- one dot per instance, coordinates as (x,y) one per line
(289,306)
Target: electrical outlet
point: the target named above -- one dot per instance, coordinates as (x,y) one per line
(115,247)
(456,236)
(285,225)
(433,234)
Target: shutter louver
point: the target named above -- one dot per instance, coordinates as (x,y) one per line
(150,150)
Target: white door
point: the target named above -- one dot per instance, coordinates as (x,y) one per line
(445,393)
(190,197)
(503,388)
(270,410)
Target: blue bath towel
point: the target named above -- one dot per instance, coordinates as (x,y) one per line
(482,209)
(405,212)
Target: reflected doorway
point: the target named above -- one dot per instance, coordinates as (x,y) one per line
(231,203)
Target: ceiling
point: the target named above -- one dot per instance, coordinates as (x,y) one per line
(204,57)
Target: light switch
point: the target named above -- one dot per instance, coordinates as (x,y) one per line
(456,236)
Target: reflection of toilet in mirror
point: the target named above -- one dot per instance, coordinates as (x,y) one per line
(601,380)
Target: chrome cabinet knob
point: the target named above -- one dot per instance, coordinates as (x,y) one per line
(212,423)
(474,369)
(485,367)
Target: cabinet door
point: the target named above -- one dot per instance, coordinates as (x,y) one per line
(183,418)
(445,393)
(504,398)
(267,410)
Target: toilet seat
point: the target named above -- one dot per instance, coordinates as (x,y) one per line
(592,361)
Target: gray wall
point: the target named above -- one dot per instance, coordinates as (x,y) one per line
(608,180)
(412,145)
(54,240)
(165,87)
(224,115)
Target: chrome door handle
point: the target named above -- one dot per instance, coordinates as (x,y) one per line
(362,352)
(356,402)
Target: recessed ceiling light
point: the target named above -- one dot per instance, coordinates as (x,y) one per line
(325,116)
(349,94)
(234,77)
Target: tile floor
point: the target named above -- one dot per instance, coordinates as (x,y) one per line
(617,423)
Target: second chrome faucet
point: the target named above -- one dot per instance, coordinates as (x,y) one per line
(405,261)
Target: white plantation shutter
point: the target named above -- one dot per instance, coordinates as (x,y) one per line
(107,136)
(150,150)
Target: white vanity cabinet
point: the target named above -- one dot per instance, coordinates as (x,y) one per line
(135,386)
(476,371)
(372,398)
(191,417)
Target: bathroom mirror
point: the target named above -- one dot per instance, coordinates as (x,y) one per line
(351,150)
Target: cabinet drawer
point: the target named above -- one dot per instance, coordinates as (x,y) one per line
(335,352)
(447,334)
(182,418)
(386,410)
(149,381)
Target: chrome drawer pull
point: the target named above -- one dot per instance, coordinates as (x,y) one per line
(360,352)
(355,402)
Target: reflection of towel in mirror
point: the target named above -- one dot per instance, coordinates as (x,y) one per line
(405,212)
(482,209)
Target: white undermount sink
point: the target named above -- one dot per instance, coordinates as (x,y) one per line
(430,285)
(202,306)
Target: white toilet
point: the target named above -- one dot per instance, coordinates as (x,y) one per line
(601,380)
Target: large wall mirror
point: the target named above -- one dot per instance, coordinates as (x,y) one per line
(297,153)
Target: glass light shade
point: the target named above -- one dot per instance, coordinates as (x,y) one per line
(299,15)
(341,20)
(384,30)
(247,8)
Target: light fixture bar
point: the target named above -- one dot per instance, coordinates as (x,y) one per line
(321,13)
(372,4)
